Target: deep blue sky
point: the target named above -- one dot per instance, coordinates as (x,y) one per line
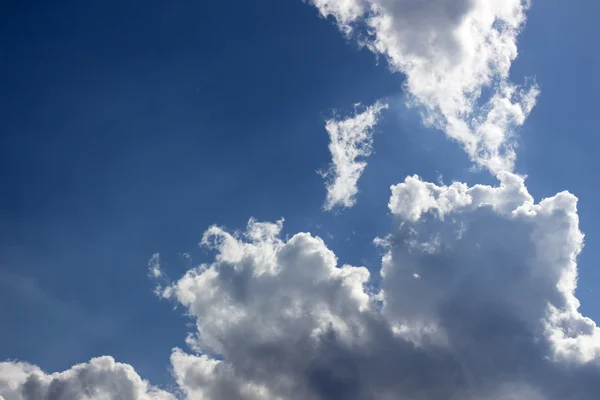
(127,129)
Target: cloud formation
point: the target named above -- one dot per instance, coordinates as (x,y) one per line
(350,141)
(477,292)
(476,301)
(100,379)
(456,56)
(494,246)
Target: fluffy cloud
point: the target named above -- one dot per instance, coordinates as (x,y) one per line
(100,379)
(450,51)
(350,142)
(476,301)
(480,247)
(270,309)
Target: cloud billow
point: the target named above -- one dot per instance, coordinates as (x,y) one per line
(100,379)
(477,302)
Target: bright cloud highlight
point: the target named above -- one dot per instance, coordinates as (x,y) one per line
(451,52)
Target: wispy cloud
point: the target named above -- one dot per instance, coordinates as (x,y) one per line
(350,142)
(452,52)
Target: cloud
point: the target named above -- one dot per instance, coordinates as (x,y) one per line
(350,142)
(477,292)
(489,246)
(102,378)
(456,56)
(477,300)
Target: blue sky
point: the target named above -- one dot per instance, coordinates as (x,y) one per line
(122,139)
(129,129)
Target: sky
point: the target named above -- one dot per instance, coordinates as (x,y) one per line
(138,140)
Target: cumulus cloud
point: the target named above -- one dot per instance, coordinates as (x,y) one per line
(350,141)
(495,247)
(476,296)
(451,52)
(476,300)
(100,379)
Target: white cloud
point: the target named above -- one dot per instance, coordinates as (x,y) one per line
(477,301)
(12,377)
(350,142)
(500,249)
(262,306)
(100,379)
(412,198)
(450,52)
